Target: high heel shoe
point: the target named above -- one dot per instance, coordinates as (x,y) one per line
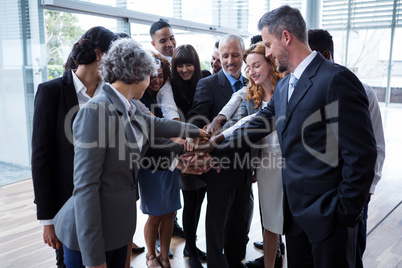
(165,263)
(153,262)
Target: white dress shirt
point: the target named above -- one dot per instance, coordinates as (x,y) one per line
(230,108)
(376,121)
(301,67)
(226,133)
(81,90)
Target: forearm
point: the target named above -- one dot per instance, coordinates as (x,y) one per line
(230,108)
(171,128)
(166,101)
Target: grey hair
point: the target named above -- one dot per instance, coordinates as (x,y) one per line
(128,62)
(284,18)
(232,38)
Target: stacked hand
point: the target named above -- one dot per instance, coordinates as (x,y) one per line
(196,158)
(197,166)
(201,147)
(215,127)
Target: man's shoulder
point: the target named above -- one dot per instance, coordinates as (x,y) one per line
(209,79)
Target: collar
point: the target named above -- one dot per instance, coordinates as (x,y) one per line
(303,65)
(128,106)
(79,86)
(167,57)
(233,80)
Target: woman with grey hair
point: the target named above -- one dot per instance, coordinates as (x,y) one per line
(111,137)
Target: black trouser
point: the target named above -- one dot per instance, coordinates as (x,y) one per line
(227,225)
(337,250)
(191,215)
(60,258)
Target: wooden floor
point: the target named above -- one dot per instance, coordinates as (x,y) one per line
(21,243)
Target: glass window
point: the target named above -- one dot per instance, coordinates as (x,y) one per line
(20,51)
(396,67)
(63,29)
(203,43)
(368,57)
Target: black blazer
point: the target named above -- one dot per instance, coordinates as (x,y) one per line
(212,93)
(327,143)
(52,152)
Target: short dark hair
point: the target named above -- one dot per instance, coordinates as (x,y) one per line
(156,26)
(255,39)
(217,44)
(284,18)
(320,40)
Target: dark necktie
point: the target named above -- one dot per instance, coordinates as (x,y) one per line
(238,85)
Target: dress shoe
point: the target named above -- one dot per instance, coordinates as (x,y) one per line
(158,249)
(257,263)
(258,245)
(194,262)
(138,250)
(278,261)
(201,254)
(177,230)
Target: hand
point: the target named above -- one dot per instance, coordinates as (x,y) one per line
(254,176)
(179,141)
(196,166)
(50,238)
(203,134)
(103,265)
(192,143)
(204,148)
(215,127)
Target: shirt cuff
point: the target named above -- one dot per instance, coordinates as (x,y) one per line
(46,222)
(226,133)
(174,164)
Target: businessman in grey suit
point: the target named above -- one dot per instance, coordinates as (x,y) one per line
(327,143)
(111,137)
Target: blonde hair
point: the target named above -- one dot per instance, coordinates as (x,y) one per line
(256,92)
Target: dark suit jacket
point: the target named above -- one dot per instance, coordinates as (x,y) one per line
(327,143)
(212,93)
(52,152)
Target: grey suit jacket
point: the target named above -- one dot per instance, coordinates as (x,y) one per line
(245,108)
(101,214)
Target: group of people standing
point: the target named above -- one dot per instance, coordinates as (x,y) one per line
(118,106)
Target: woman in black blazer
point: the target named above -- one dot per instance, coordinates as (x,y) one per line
(56,103)
(186,72)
